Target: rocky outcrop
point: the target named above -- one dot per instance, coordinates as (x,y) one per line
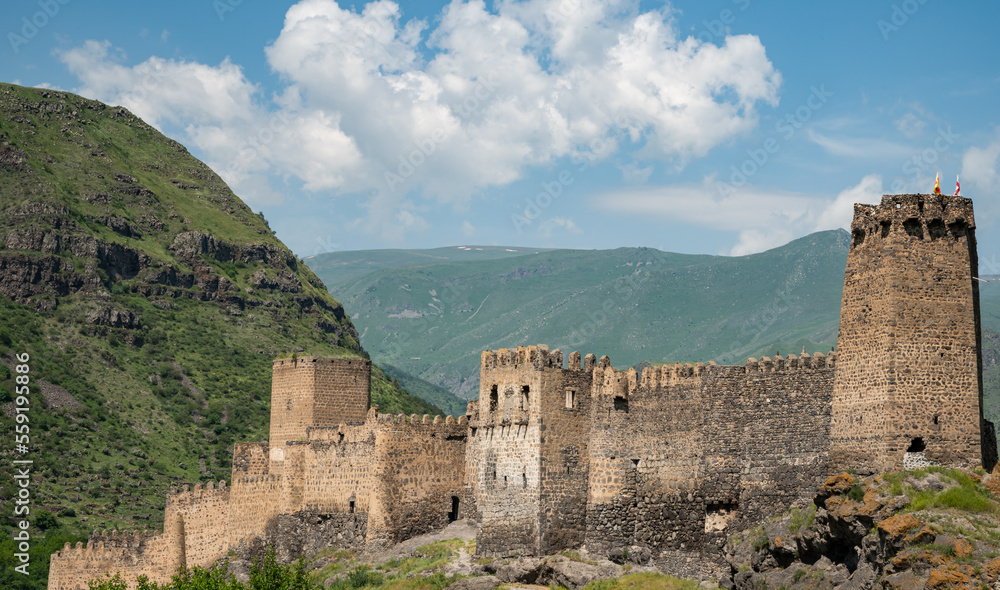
(12,157)
(114,318)
(285,281)
(190,245)
(555,570)
(304,533)
(855,537)
(23,277)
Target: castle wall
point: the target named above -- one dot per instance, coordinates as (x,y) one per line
(418,476)
(255,494)
(683,455)
(131,554)
(203,514)
(337,470)
(909,337)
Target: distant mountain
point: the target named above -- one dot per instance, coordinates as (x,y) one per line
(151,302)
(335,268)
(432,317)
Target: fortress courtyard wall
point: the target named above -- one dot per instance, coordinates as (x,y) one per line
(682,455)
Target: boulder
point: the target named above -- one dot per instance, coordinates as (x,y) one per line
(523,570)
(573,574)
(483,583)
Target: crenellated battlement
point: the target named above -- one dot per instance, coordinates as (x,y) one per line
(535,357)
(925,217)
(197,490)
(623,384)
(804,361)
(308,362)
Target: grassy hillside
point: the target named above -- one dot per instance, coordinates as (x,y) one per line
(151,302)
(433,319)
(334,268)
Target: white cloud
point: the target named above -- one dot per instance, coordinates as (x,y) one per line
(504,89)
(762,218)
(220,112)
(979,165)
(859,147)
(546,227)
(840,213)
(981,176)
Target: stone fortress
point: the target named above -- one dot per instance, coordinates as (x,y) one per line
(562,453)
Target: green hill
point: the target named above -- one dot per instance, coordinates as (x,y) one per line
(151,302)
(337,267)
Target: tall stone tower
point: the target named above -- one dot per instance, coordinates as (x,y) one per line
(909,378)
(530,434)
(312,391)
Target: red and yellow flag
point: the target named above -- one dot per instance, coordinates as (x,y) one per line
(937,184)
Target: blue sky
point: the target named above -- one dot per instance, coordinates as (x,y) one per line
(719,127)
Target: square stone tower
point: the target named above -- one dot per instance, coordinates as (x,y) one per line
(530,434)
(908,387)
(312,391)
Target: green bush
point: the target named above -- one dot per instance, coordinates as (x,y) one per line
(265,574)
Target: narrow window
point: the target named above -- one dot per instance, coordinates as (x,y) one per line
(340,438)
(453,515)
(494,399)
(570,399)
(524,480)
(350,507)
(936,416)
(524,397)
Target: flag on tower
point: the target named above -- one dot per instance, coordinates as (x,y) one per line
(958,187)
(937,184)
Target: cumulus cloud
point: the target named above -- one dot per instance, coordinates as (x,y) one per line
(763,219)
(222,116)
(981,176)
(406,110)
(547,227)
(979,165)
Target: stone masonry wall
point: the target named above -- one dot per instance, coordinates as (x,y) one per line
(530,451)
(132,554)
(909,375)
(508,441)
(684,454)
(564,427)
(418,476)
